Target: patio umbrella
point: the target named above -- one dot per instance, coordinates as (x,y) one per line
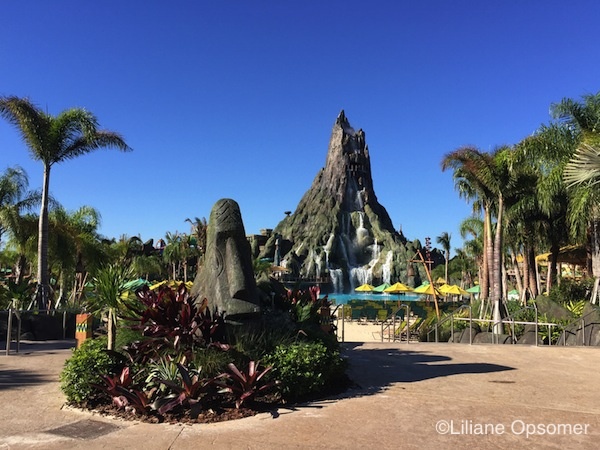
(398,288)
(427,289)
(364,288)
(474,290)
(381,287)
(454,290)
(443,288)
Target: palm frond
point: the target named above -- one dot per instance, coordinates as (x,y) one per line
(584,167)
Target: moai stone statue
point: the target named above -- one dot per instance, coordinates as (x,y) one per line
(226,278)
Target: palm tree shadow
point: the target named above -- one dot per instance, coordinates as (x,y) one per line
(374,370)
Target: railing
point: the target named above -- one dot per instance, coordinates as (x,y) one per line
(395,332)
(16,313)
(576,322)
(495,336)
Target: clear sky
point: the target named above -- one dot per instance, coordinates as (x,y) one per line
(237,98)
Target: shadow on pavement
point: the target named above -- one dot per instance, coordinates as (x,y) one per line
(373,370)
(16,378)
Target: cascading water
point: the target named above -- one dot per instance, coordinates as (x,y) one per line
(337,280)
(387,267)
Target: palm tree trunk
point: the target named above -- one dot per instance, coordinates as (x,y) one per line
(552,267)
(496,271)
(518,279)
(488,253)
(43,286)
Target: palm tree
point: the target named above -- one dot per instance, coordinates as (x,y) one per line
(583,171)
(471,168)
(52,140)
(15,199)
(488,179)
(545,154)
(14,195)
(444,240)
(583,119)
(75,247)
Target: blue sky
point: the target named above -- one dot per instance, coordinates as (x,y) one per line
(237,98)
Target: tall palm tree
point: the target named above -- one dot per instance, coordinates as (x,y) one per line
(53,140)
(470,172)
(545,154)
(583,118)
(444,240)
(488,179)
(583,171)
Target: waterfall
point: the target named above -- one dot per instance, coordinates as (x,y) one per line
(375,251)
(359,276)
(387,268)
(359,203)
(337,280)
(318,264)
(327,249)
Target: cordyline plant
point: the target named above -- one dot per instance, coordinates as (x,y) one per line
(188,391)
(245,385)
(305,304)
(171,321)
(124,394)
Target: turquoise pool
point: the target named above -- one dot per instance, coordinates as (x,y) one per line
(342,299)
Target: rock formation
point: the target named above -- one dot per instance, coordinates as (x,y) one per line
(339,229)
(226,278)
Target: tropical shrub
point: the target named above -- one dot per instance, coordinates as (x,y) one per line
(181,361)
(171,323)
(305,306)
(84,371)
(571,290)
(306,369)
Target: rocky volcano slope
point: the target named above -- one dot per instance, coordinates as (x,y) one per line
(339,229)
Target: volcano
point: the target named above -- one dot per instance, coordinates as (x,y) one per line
(339,231)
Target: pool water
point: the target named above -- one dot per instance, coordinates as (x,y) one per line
(343,299)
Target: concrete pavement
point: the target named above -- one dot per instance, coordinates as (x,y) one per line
(408,396)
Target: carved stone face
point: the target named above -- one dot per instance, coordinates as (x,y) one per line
(227,278)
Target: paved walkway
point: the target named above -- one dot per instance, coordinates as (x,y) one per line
(410,396)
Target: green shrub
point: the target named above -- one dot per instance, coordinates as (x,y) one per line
(306,369)
(85,368)
(571,290)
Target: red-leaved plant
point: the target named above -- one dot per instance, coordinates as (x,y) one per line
(245,385)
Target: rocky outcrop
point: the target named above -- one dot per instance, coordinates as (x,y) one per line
(339,229)
(585,331)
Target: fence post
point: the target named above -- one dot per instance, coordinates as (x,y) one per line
(8,331)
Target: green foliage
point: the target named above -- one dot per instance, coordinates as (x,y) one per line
(255,342)
(571,290)
(306,369)
(212,360)
(304,306)
(576,307)
(178,361)
(85,369)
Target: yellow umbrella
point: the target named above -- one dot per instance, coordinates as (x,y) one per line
(454,290)
(443,288)
(397,288)
(427,289)
(364,288)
